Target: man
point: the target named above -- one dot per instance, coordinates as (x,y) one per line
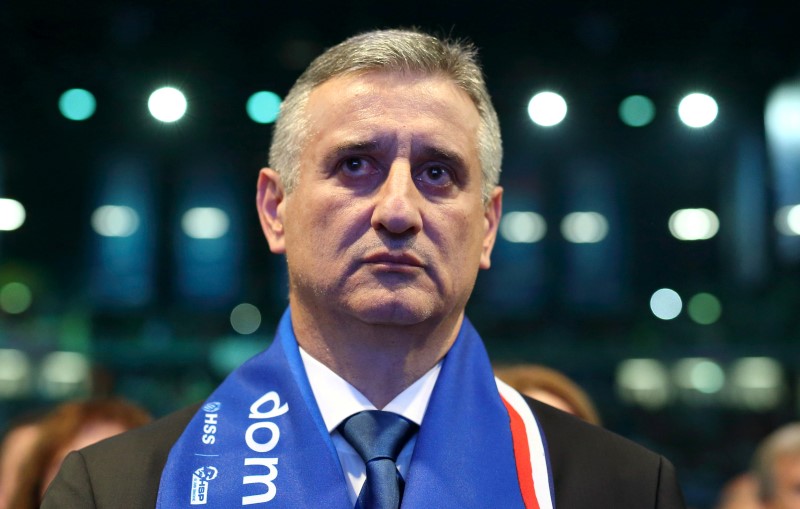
(383,196)
(776,468)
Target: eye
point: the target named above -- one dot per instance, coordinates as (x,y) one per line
(435,175)
(356,166)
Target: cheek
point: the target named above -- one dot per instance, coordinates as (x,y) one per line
(305,213)
(461,235)
(321,224)
(472,230)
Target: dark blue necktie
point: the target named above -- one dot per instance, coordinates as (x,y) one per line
(378,437)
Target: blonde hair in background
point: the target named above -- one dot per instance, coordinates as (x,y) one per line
(785,441)
(529,378)
(58,429)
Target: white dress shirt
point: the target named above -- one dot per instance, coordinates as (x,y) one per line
(338,400)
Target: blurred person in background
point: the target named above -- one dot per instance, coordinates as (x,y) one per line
(69,427)
(19,440)
(549,386)
(776,468)
(741,492)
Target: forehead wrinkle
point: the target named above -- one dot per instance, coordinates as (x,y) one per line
(364,100)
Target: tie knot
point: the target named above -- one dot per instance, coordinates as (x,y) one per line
(376,434)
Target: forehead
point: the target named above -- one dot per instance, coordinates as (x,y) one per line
(420,107)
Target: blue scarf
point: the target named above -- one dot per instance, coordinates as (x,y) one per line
(260,440)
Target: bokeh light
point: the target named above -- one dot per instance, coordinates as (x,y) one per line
(693,224)
(704,308)
(205,223)
(15,373)
(700,374)
(644,382)
(523,227)
(115,221)
(12,214)
(757,383)
(698,110)
(782,115)
(15,298)
(666,304)
(77,104)
(263,107)
(167,104)
(547,109)
(245,318)
(64,375)
(584,227)
(787,220)
(229,353)
(637,111)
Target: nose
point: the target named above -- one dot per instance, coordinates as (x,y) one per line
(397,207)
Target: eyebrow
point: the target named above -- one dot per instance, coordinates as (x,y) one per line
(347,148)
(355,146)
(430,152)
(441,154)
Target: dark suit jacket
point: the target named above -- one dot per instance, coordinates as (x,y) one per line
(592,468)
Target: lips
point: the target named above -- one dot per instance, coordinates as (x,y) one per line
(394,260)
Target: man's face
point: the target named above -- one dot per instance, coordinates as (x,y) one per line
(786,473)
(387,222)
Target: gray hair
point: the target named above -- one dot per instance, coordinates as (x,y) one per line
(783,442)
(387,50)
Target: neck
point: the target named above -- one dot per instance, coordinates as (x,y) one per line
(379,360)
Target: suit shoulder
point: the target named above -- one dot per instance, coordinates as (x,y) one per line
(130,464)
(151,439)
(590,463)
(563,429)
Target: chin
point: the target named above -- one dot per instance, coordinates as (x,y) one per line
(392,313)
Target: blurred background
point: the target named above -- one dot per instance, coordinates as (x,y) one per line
(650,248)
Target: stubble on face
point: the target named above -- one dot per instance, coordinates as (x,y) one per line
(335,223)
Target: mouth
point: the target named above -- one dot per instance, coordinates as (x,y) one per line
(390,261)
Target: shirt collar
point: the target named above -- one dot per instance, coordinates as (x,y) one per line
(338,400)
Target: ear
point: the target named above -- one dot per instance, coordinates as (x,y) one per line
(270,203)
(491,218)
